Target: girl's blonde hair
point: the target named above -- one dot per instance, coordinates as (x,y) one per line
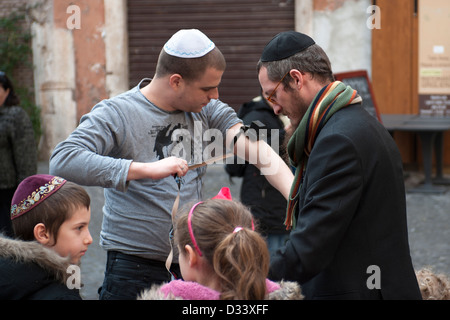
(238,255)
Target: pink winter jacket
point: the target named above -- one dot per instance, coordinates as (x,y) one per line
(188,290)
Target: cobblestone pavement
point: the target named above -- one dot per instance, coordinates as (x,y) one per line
(428,225)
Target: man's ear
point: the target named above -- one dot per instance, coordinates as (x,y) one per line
(298,78)
(41,234)
(176,81)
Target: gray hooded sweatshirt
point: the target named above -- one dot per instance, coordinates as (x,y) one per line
(126,128)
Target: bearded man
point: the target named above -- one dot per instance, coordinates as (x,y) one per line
(347,206)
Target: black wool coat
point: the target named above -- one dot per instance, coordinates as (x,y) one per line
(351,238)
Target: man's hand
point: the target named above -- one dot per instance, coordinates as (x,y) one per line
(170,166)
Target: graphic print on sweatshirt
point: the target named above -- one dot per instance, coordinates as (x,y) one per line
(171,140)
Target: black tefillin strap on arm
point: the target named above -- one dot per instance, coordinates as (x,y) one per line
(253,131)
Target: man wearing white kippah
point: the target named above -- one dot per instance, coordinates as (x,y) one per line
(130,145)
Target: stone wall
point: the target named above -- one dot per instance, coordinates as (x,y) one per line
(76,66)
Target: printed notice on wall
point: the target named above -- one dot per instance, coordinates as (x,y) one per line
(434,57)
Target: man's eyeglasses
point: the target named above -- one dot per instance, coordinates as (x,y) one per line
(269,98)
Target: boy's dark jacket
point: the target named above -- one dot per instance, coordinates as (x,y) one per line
(29,271)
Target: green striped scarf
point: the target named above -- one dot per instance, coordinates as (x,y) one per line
(330,99)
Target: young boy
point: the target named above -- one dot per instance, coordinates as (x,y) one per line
(50,218)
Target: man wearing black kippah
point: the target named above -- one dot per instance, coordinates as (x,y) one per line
(347,207)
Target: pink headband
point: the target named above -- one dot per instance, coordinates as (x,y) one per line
(191,232)
(224,193)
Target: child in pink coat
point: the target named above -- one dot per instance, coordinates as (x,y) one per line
(221,256)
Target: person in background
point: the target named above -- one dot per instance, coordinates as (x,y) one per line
(265,202)
(18,154)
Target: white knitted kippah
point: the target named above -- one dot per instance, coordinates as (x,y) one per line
(188,43)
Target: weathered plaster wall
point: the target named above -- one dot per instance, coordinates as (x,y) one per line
(54,74)
(340,28)
(89,50)
(76,67)
(116,47)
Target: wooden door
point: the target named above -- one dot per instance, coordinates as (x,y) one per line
(395,66)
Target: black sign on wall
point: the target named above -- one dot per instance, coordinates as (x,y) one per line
(359,81)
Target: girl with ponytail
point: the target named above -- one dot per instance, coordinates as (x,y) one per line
(221,256)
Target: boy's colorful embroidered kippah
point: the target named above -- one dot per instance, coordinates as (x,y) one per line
(32,191)
(285,44)
(188,43)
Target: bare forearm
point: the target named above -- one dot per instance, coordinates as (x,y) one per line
(277,173)
(261,154)
(157,170)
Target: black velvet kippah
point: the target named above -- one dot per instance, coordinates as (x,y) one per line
(285,44)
